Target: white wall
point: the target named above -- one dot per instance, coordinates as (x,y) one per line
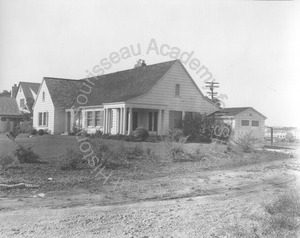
(250,115)
(43,106)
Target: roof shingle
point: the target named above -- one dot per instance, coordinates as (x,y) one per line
(63,91)
(27,87)
(124,85)
(9,107)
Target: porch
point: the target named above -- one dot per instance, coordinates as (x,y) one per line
(119,119)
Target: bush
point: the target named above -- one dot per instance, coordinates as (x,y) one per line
(26,126)
(176,135)
(72,160)
(41,132)
(97,134)
(283,213)
(33,132)
(5,160)
(26,155)
(141,134)
(199,127)
(246,142)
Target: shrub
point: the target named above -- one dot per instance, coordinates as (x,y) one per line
(283,213)
(176,135)
(26,126)
(246,142)
(33,132)
(141,134)
(199,127)
(40,132)
(5,160)
(26,155)
(72,160)
(97,134)
(177,154)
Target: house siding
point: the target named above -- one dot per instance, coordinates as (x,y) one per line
(44,106)
(20,95)
(190,98)
(257,131)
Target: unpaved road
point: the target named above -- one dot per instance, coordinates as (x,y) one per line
(231,202)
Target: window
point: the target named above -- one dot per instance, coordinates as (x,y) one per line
(89,118)
(245,122)
(177,90)
(98,118)
(43,118)
(175,119)
(255,123)
(21,102)
(40,119)
(43,96)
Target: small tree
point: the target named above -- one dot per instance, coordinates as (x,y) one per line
(199,127)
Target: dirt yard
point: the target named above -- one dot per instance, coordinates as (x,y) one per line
(145,198)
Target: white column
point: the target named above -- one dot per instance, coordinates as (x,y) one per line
(130,121)
(124,120)
(120,120)
(104,121)
(159,122)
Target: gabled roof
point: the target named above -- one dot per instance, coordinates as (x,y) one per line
(233,111)
(27,87)
(124,85)
(63,92)
(9,107)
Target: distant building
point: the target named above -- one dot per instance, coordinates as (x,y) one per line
(243,120)
(280,133)
(25,95)
(9,113)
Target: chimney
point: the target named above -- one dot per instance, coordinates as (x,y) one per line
(14,90)
(140,63)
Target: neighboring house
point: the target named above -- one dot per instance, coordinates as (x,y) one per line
(25,95)
(9,113)
(155,97)
(244,120)
(280,133)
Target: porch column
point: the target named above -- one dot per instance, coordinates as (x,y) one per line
(72,121)
(159,124)
(124,120)
(120,120)
(66,121)
(104,121)
(130,121)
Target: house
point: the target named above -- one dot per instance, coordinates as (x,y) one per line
(9,113)
(243,120)
(155,97)
(25,95)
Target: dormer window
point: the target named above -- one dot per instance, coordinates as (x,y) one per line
(43,96)
(177,90)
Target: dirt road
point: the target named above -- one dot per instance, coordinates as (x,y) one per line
(230,205)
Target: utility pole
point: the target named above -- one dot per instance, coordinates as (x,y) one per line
(212,85)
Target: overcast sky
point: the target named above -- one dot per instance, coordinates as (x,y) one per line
(252,48)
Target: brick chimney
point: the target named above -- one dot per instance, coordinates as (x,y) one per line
(140,63)
(14,91)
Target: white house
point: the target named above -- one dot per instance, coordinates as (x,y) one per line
(244,120)
(155,97)
(26,93)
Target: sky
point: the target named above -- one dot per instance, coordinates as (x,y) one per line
(252,48)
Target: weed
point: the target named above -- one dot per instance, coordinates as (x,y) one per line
(72,160)
(26,155)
